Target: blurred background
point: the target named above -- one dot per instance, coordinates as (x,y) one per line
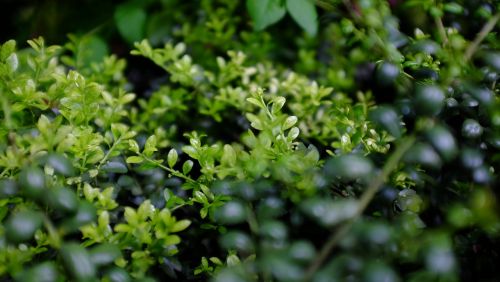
(54,19)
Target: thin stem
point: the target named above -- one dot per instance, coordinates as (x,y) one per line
(252,220)
(55,239)
(118,141)
(487,28)
(6,112)
(271,117)
(441,29)
(172,171)
(363,203)
(177,207)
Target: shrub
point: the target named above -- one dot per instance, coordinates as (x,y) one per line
(376,163)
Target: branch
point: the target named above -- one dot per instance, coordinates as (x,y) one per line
(487,28)
(364,201)
(442,30)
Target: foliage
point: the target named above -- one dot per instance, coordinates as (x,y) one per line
(371,157)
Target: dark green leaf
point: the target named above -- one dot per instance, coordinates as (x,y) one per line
(349,167)
(130,21)
(21,226)
(60,164)
(387,117)
(8,188)
(62,199)
(114,167)
(232,212)
(304,14)
(265,12)
(104,254)
(32,180)
(77,262)
(429,100)
(43,272)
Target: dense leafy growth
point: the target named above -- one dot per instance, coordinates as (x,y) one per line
(234,147)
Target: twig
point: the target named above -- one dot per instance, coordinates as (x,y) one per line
(441,29)
(363,203)
(487,28)
(108,153)
(54,237)
(170,170)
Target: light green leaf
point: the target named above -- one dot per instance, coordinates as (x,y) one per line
(191,151)
(150,146)
(127,98)
(187,166)
(118,129)
(13,62)
(278,104)
(133,146)
(254,101)
(172,157)
(265,12)
(172,240)
(289,122)
(180,225)
(293,133)
(229,155)
(304,14)
(135,160)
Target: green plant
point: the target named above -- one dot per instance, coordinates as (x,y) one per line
(240,166)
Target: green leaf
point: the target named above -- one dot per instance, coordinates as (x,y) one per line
(150,146)
(289,122)
(278,104)
(328,212)
(130,21)
(265,12)
(60,164)
(135,160)
(180,225)
(349,167)
(133,146)
(304,14)
(388,119)
(7,49)
(104,254)
(293,133)
(254,121)
(91,49)
(45,271)
(187,166)
(114,167)
(118,129)
(21,226)
(191,151)
(229,155)
(172,157)
(77,262)
(254,101)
